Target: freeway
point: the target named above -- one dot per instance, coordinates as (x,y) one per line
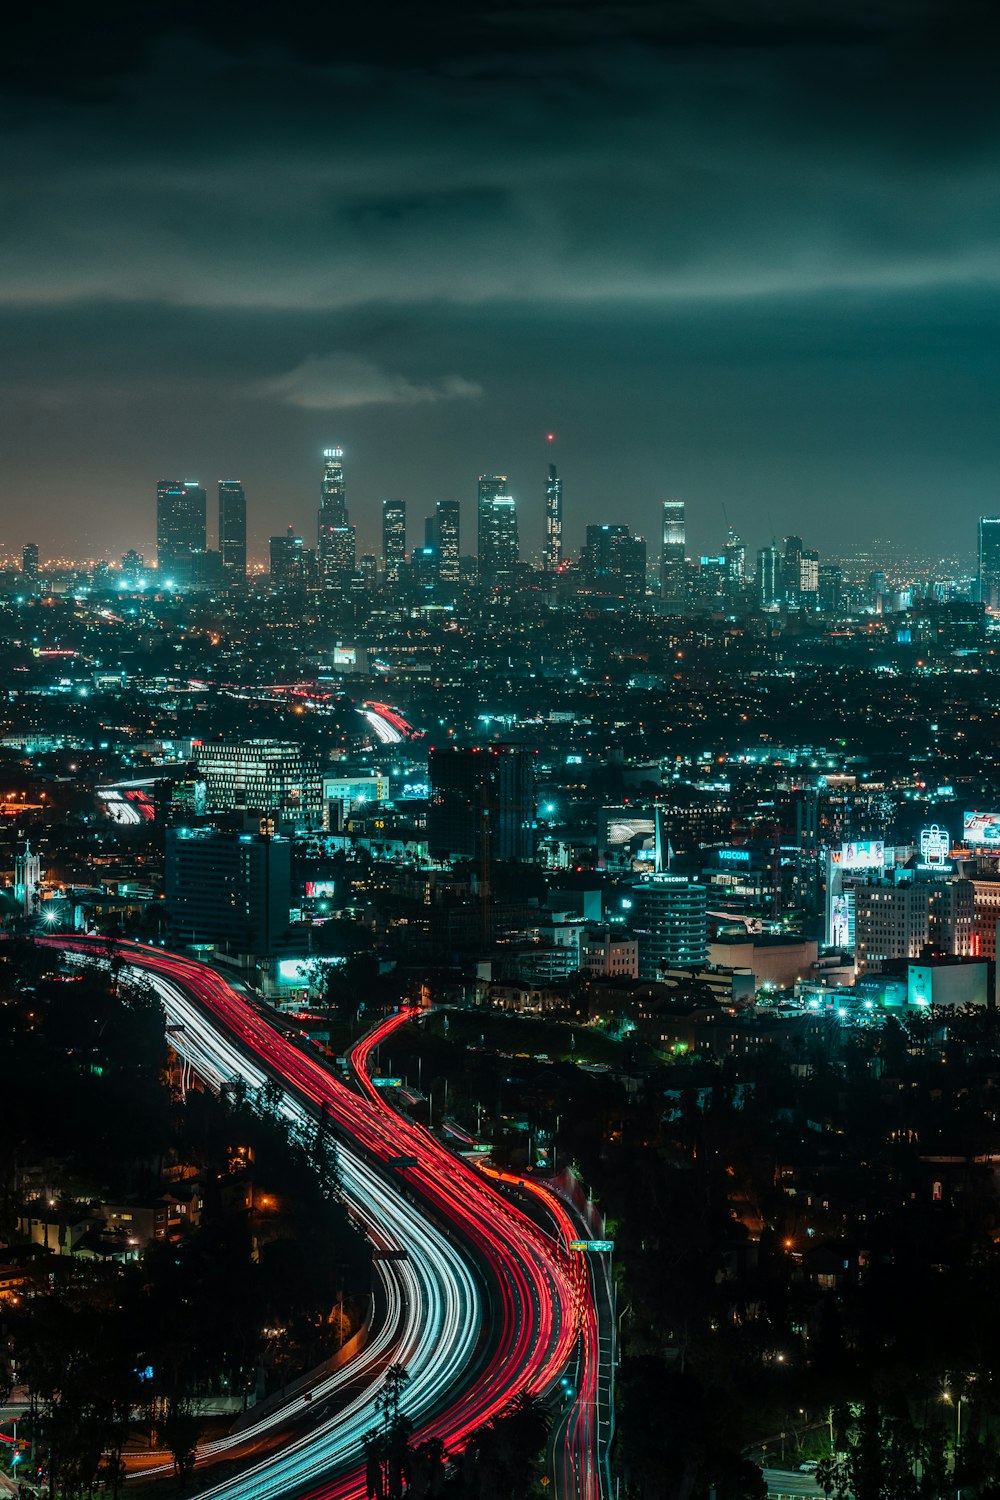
(412,1331)
(576,1471)
(433,1304)
(540,1298)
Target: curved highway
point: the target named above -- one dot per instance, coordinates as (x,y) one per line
(539,1293)
(415,1290)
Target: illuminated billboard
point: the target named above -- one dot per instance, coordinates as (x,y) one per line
(982,828)
(315,889)
(866,855)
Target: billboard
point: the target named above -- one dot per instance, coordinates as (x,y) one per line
(866,855)
(982,828)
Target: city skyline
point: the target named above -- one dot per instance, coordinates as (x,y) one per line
(741,263)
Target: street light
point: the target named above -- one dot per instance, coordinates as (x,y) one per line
(951,1400)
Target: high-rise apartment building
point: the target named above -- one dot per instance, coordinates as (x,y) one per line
(337,541)
(181,511)
(393,539)
(673,567)
(497,532)
(553,521)
(233,530)
(989,561)
(482,800)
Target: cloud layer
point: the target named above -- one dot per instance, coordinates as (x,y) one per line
(750,251)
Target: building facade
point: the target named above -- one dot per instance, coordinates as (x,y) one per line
(233,530)
(181,511)
(670,921)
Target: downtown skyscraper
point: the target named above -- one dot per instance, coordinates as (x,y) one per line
(447,540)
(233,530)
(181,509)
(989,561)
(553,521)
(393,539)
(496,532)
(337,544)
(673,565)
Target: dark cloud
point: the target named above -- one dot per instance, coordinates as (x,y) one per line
(747,252)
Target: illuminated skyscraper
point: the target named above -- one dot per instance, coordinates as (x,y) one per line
(769,581)
(497,532)
(29,564)
(673,570)
(181,508)
(233,530)
(393,538)
(446,538)
(736,564)
(989,561)
(553,521)
(337,543)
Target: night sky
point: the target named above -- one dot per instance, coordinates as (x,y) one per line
(740,253)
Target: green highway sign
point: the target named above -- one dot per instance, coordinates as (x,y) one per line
(388,1083)
(592,1247)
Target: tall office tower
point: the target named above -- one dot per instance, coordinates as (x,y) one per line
(335,534)
(29,563)
(673,570)
(482,803)
(446,540)
(228,888)
(393,538)
(736,564)
(497,532)
(368,572)
(287,560)
(233,530)
(614,562)
(809,580)
(769,577)
(831,587)
(791,569)
(553,521)
(181,508)
(989,561)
